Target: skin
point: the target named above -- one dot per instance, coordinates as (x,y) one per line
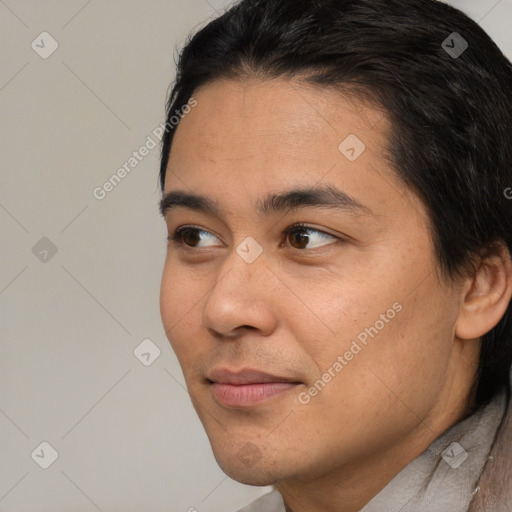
(295,309)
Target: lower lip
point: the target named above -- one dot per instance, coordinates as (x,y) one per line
(248,395)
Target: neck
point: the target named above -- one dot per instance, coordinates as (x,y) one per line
(349,488)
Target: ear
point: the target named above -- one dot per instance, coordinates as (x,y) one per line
(486,295)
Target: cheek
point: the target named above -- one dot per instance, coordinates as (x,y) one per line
(404,362)
(180,302)
(393,342)
(334,313)
(169,306)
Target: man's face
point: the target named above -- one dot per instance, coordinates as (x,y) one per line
(332,345)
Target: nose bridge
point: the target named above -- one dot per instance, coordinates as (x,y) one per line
(242,269)
(240,294)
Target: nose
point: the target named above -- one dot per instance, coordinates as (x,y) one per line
(241,299)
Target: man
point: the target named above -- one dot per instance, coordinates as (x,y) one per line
(338,277)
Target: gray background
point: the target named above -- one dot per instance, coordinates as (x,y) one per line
(126,434)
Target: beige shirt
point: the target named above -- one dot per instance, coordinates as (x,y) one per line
(444,478)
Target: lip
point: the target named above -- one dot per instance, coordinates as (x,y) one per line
(247,387)
(245,376)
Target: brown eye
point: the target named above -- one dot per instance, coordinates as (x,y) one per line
(191,237)
(303,237)
(298,240)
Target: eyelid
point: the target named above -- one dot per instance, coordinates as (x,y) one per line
(299,226)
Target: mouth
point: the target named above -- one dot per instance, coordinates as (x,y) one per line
(247,388)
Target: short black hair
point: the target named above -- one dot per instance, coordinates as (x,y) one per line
(444,84)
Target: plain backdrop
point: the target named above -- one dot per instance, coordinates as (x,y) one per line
(80,276)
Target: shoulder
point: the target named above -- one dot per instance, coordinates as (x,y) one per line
(271,502)
(495,483)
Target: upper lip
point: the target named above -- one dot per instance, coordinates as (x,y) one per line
(244,376)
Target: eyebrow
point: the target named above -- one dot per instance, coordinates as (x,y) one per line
(318,196)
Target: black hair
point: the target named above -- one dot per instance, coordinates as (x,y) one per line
(441,80)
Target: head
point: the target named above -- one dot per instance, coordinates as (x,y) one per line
(335,195)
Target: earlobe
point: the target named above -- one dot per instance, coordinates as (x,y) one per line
(486,295)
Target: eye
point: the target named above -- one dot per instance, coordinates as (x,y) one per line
(191,237)
(300,236)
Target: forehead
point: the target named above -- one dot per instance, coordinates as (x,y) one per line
(233,118)
(249,137)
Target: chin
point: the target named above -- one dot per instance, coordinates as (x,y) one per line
(258,477)
(247,466)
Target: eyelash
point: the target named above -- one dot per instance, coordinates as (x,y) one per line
(176,237)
